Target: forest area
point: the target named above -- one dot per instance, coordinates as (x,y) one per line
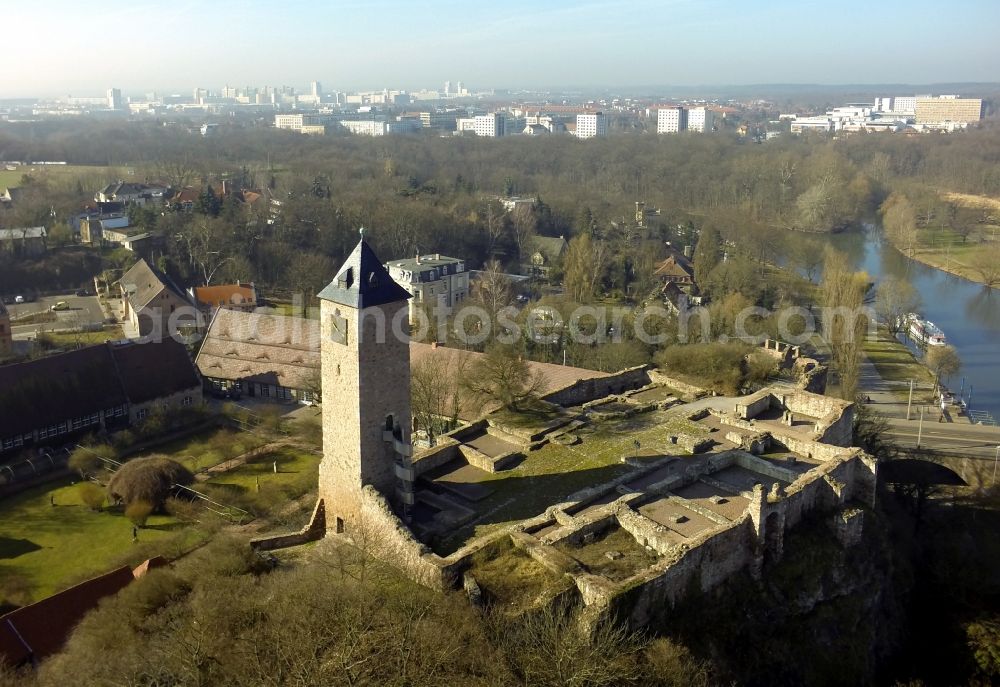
(753,215)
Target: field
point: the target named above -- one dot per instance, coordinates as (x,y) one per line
(948,250)
(56,173)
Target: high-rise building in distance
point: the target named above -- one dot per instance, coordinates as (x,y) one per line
(115,101)
(591,125)
(948,108)
(670,120)
(700,119)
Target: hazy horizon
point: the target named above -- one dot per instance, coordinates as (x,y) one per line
(68,48)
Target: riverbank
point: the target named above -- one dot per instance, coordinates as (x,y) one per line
(949,260)
(960,252)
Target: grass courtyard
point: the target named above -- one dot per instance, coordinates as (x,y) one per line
(49,539)
(46,547)
(549,475)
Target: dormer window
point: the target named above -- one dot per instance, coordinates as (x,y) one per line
(373,281)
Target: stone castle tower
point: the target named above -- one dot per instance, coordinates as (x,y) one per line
(366,388)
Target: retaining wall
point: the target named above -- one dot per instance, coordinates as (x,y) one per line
(313,531)
(585,390)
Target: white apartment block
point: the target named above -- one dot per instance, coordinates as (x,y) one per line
(463,124)
(700,119)
(591,125)
(366,127)
(296,122)
(897,104)
(435,281)
(800,124)
(489,126)
(671,120)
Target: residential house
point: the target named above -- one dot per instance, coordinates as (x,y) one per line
(270,357)
(140,243)
(676,267)
(153,305)
(98,388)
(544,254)
(184,199)
(236,296)
(6,336)
(435,281)
(97,229)
(117,236)
(140,194)
(26,242)
(513,203)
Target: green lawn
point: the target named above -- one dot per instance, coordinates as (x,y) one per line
(894,361)
(47,547)
(294,468)
(208,448)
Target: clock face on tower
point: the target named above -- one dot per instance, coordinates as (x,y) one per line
(338,328)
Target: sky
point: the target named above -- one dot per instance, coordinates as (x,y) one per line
(69,47)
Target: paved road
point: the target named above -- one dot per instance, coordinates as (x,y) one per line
(82,310)
(972,441)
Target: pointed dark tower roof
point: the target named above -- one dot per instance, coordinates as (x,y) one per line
(363,282)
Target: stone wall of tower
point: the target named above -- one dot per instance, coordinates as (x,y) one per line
(366,379)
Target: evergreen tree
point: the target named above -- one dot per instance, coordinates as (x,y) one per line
(706,253)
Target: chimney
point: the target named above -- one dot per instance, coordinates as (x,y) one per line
(437,256)
(687,251)
(434,344)
(418,258)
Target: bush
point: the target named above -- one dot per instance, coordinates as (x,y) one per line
(138,512)
(729,368)
(715,365)
(149,479)
(123,439)
(87,460)
(91,495)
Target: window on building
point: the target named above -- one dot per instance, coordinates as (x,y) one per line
(187,401)
(141,414)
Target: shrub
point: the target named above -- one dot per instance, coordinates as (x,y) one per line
(150,479)
(87,460)
(91,495)
(123,439)
(138,512)
(716,365)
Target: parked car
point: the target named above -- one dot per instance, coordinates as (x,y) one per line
(82,292)
(19,299)
(61,305)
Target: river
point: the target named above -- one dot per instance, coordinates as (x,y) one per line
(967,312)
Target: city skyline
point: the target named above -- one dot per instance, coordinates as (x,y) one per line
(65,48)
